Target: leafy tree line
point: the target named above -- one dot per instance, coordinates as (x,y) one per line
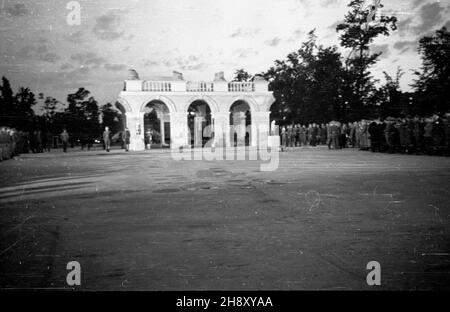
(83,118)
(319,84)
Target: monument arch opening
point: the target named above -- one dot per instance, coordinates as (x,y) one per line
(240,123)
(156,125)
(199,123)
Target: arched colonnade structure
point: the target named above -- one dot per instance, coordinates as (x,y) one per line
(217,104)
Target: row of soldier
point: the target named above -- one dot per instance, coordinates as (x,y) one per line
(13,142)
(430,135)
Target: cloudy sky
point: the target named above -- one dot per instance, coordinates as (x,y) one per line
(39,49)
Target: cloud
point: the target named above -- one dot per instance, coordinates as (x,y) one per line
(406,45)
(431,14)
(191,62)
(18,9)
(50,57)
(76,37)
(329,2)
(334,25)
(273,42)
(89,59)
(381,48)
(403,25)
(241,33)
(447,25)
(244,53)
(107,26)
(151,63)
(115,67)
(296,35)
(66,66)
(39,52)
(416,3)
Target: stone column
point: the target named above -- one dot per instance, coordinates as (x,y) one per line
(135,123)
(222,129)
(239,127)
(178,130)
(198,131)
(260,128)
(161,127)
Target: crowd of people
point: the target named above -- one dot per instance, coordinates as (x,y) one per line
(13,142)
(418,135)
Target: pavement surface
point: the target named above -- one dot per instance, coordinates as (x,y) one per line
(143,221)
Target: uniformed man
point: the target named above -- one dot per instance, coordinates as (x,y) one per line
(65,139)
(107,138)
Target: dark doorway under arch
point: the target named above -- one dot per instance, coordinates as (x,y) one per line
(199,123)
(156,125)
(240,115)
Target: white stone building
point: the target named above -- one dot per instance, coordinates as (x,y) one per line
(181,105)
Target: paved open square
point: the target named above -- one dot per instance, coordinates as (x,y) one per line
(143,221)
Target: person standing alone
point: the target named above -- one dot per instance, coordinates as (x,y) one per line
(65,140)
(126,139)
(106,138)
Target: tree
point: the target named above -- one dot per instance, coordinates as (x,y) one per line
(242,75)
(390,96)
(24,102)
(16,110)
(356,34)
(433,83)
(6,104)
(82,115)
(49,107)
(111,118)
(307,84)
(77,101)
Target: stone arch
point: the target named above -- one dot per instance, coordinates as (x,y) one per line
(125,105)
(166,100)
(248,99)
(213,106)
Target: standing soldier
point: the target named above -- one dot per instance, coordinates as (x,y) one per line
(357,134)
(314,134)
(381,126)
(329,134)
(65,139)
(363,134)
(323,134)
(352,133)
(302,135)
(389,133)
(290,135)
(307,134)
(335,133)
(297,135)
(343,136)
(283,138)
(106,138)
(374,138)
(126,138)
